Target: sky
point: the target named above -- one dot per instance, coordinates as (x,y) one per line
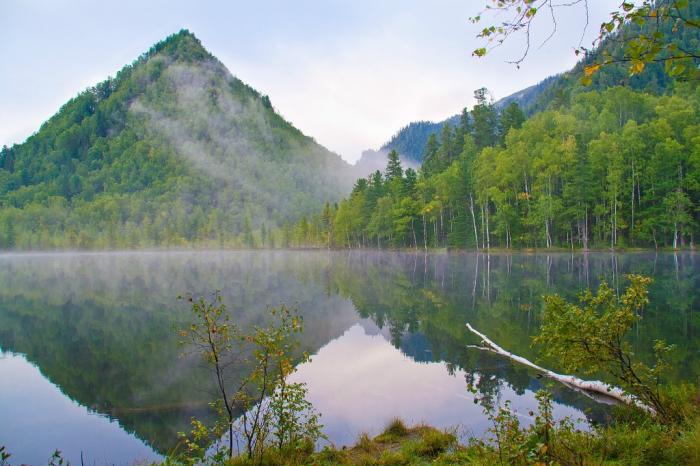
(348,73)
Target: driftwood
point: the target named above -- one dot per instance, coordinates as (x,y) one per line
(585,386)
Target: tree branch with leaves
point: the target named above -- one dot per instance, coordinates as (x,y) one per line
(635,34)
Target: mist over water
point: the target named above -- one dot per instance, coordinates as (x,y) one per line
(95,335)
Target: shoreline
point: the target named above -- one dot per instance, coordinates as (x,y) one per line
(499,251)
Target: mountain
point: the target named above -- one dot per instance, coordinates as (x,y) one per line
(172,151)
(410,140)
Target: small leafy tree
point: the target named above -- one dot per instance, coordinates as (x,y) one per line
(269,405)
(590,337)
(261,405)
(543,442)
(296,423)
(212,336)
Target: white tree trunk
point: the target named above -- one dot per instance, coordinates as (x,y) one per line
(488,233)
(471,208)
(594,386)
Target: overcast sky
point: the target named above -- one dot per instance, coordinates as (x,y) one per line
(349,73)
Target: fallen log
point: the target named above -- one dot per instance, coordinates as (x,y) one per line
(591,386)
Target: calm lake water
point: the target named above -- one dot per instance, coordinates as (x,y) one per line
(89,359)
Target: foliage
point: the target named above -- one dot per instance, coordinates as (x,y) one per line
(196,444)
(543,441)
(636,34)
(295,423)
(263,409)
(655,36)
(212,335)
(614,169)
(605,66)
(57,459)
(590,337)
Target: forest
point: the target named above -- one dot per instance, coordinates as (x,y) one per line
(610,169)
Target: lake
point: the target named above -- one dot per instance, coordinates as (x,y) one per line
(90,362)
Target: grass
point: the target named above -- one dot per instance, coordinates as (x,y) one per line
(396,445)
(632,441)
(641,442)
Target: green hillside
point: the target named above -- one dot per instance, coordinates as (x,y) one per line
(172,151)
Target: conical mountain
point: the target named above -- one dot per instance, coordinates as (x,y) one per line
(174,150)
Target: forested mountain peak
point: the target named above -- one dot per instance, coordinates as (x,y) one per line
(173,150)
(182,44)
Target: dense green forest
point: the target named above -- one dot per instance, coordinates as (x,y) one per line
(613,168)
(173,150)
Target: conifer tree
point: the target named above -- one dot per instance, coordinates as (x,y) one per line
(485,119)
(511,117)
(446,152)
(430,156)
(393,168)
(462,130)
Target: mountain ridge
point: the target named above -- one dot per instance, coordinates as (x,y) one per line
(410,140)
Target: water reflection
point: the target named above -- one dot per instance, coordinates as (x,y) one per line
(388,330)
(360,382)
(37,417)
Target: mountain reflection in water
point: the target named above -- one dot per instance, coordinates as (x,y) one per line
(386,330)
